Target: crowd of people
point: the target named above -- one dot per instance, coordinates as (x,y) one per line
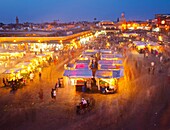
(14,83)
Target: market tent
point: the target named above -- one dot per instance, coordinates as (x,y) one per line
(139,43)
(114,56)
(103,74)
(84,57)
(23,64)
(41,55)
(151,43)
(106,51)
(78,73)
(153,46)
(83,61)
(31,59)
(110,62)
(12,70)
(91,51)
(110,66)
(109,73)
(118,55)
(107,56)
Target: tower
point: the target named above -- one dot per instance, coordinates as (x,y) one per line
(123,19)
(17,20)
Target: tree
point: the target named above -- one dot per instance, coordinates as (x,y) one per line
(1,24)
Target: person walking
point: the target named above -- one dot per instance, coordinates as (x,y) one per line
(40,75)
(146,54)
(161,59)
(41,95)
(152,67)
(54,93)
(56,86)
(59,83)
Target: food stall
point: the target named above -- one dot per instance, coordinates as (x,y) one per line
(77,77)
(108,79)
(27,67)
(140,46)
(43,60)
(153,46)
(13,73)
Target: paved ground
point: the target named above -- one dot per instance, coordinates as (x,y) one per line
(142,102)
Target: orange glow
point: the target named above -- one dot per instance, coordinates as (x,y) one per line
(124,26)
(160,38)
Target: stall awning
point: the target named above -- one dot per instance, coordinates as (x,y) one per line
(91,51)
(41,55)
(103,74)
(110,67)
(78,73)
(89,54)
(107,56)
(23,64)
(118,55)
(110,62)
(13,70)
(106,51)
(111,56)
(109,73)
(83,61)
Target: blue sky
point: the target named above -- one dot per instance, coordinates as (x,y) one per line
(80,10)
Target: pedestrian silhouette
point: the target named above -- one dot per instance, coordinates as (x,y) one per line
(39,75)
(41,94)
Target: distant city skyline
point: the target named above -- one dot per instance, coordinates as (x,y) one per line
(39,11)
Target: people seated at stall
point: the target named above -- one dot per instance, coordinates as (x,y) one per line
(107,89)
(83,103)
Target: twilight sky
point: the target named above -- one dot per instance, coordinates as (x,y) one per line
(80,10)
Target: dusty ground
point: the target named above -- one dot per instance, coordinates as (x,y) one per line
(142,102)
